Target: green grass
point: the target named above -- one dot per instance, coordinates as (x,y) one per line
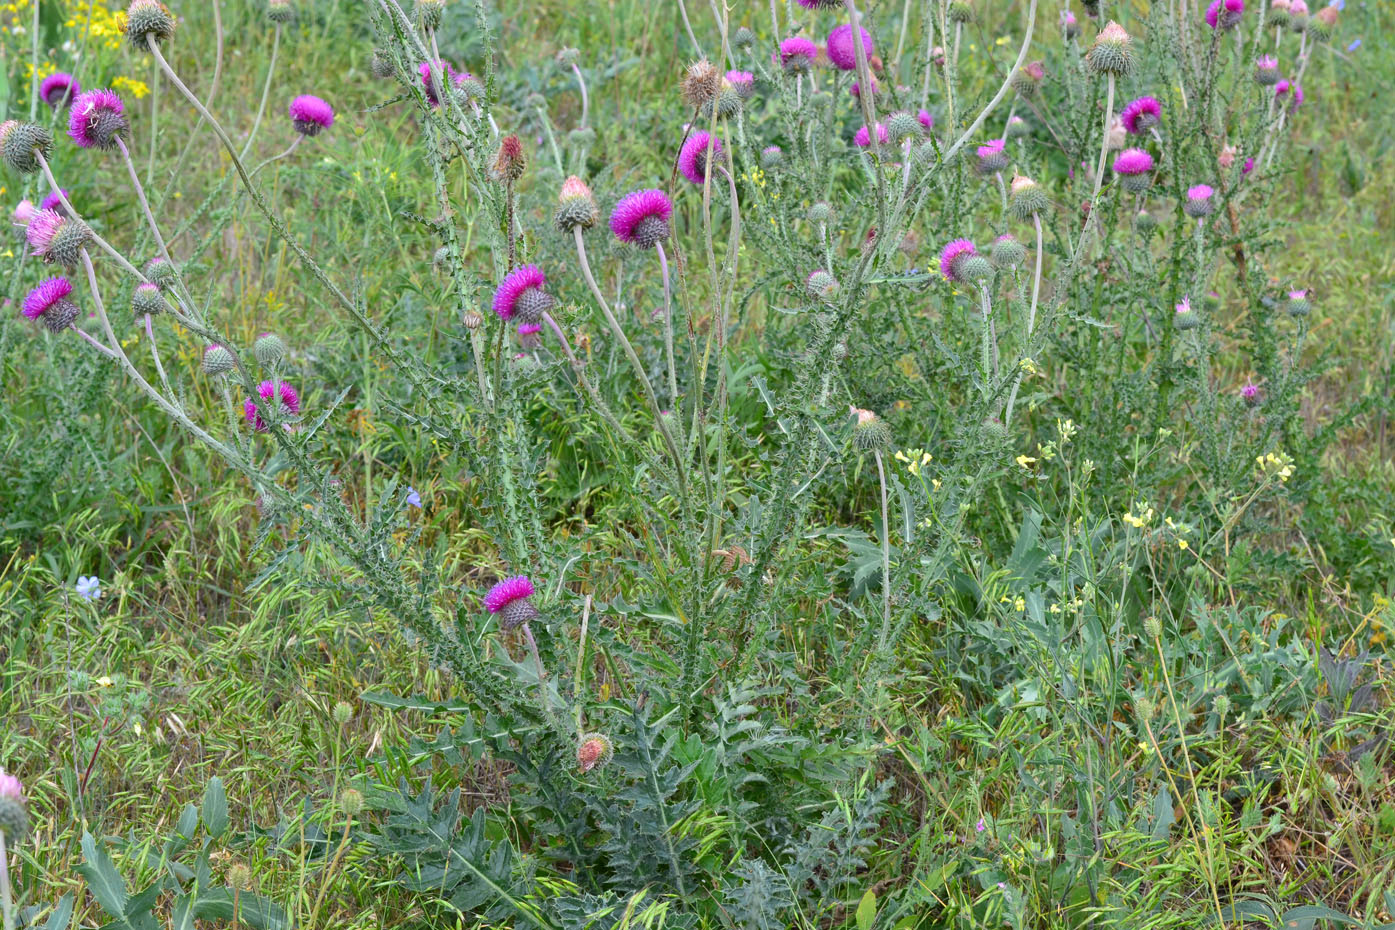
(117,713)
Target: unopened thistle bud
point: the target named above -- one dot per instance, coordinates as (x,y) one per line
(1017,127)
(976,269)
(343,712)
(743,39)
(521,295)
(1277,16)
(700,84)
(1027,79)
(1185,317)
(870,432)
(147,299)
(429,13)
(902,126)
(14,812)
(269,350)
(771,157)
(217,360)
(960,11)
(821,285)
(593,751)
(1006,251)
(1298,304)
(509,162)
(1026,199)
(148,20)
(576,207)
(1152,627)
(161,273)
(727,101)
(1145,222)
(1112,52)
(1200,201)
(821,213)
(22,144)
(280,11)
(351,801)
(1144,707)
(1322,23)
(239,876)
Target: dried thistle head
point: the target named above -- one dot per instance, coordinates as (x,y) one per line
(509,162)
(701,84)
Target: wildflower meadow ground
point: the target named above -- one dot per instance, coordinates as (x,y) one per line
(753,465)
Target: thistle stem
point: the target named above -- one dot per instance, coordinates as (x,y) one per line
(101,243)
(266,91)
(585,101)
(95,344)
(886,557)
(7,905)
(668,323)
(1091,220)
(155,353)
(1031,321)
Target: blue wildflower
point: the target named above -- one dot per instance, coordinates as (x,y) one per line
(89,587)
(1355,44)
(413,498)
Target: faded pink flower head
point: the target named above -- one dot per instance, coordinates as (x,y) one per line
(1227,156)
(49,302)
(10,787)
(1114,33)
(23,213)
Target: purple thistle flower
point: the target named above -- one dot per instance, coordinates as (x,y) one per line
(515,285)
(310,114)
(453,77)
(1133,162)
(1267,69)
(1281,87)
(1248,166)
(856,88)
(24,212)
(1297,98)
(953,255)
(42,228)
(841,51)
(1199,201)
(268,390)
(54,201)
(692,160)
(798,53)
(1297,295)
(927,119)
(743,82)
(59,89)
(642,217)
(820,4)
(96,119)
(863,138)
(529,329)
(1141,115)
(49,302)
(992,157)
(510,599)
(1224,14)
(1250,394)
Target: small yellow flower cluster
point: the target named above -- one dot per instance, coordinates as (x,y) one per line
(137,89)
(106,25)
(1272,465)
(915,459)
(1144,517)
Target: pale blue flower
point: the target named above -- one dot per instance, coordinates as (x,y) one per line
(1339,4)
(89,587)
(413,498)
(1355,44)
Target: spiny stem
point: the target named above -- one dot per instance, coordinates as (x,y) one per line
(266,91)
(668,324)
(886,557)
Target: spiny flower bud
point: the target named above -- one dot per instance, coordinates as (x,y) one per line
(771,157)
(280,11)
(1144,707)
(727,101)
(1027,79)
(993,431)
(743,39)
(147,299)
(217,360)
(821,285)
(1277,17)
(1017,127)
(576,207)
(1200,201)
(509,162)
(1145,222)
(960,11)
(1152,627)
(351,801)
(1006,251)
(1026,199)
(566,57)
(161,272)
(14,813)
(239,876)
(1298,304)
(870,432)
(902,126)
(976,268)
(20,141)
(343,712)
(1322,23)
(1112,52)
(148,19)
(821,213)
(269,350)
(1267,71)
(1185,317)
(701,84)
(1222,705)
(441,256)
(582,137)
(593,751)
(429,13)
(380,64)
(1298,15)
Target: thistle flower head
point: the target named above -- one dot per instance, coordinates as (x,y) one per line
(521,294)
(1112,52)
(280,11)
(96,119)
(798,54)
(1250,394)
(863,138)
(1141,115)
(1224,14)
(1069,24)
(49,302)
(147,299)
(429,13)
(59,89)
(1199,201)
(217,360)
(1298,303)
(642,217)
(24,212)
(841,50)
(576,207)
(269,350)
(743,82)
(511,600)
(509,162)
(54,201)
(1006,251)
(594,750)
(57,239)
(992,156)
(771,157)
(743,38)
(701,83)
(14,813)
(692,158)
(148,20)
(161,272)
(870,432)
(23,144)
(278,392)
(1026,198)
(902,126)
(1185,317)
(310,114)
(1133,167)
(821,285)
(953,256)
(1267,70)
(927,119)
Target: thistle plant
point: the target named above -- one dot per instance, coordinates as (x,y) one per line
(786,207)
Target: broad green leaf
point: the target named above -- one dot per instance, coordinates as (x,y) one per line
(215,807)
(866,910)
(105,883)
